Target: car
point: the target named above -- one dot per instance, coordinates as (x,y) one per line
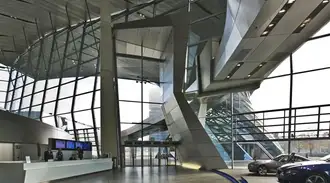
(270,166)
(305,172)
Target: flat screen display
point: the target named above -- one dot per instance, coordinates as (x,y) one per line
(87,146)
(59,144)
(70,145)
(79,144)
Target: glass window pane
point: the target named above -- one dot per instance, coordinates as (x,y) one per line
(4,75)
(35,112)
(97,101)
(130,112)
(15,105)
(52,82)
(83,101)
(84,118)
(37,98)
(64,105)
(313,54)
(28,89)
(85,85)
(152,93)
(51,94)
(126,88)
(67,90)
(310,88)
(97,113)
(324,30)
(48,109)
(40,85)
(26,102)
(18,93)
(267,98)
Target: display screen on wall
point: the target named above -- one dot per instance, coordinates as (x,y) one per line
(79,144)
(70,145)
(87,146)
(60,144)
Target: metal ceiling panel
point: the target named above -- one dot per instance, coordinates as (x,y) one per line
(294,17)
(266,47)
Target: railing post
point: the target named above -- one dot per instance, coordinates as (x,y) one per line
(318,122)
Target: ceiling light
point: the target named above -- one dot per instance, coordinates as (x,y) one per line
(282,11)
(302,25)
(325,1)
(265,32)
(213,58)
(260,65)
(307,20)
(291,1)
(249,75)
(238,65)
(270,25)
(228,77)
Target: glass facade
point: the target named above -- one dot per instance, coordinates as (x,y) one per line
(288,113)
(57,81)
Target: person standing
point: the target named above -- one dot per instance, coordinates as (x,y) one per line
(80,153)
(48,154)
(59,155)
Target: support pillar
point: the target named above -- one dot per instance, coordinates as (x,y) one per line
(109,116)
(202,112)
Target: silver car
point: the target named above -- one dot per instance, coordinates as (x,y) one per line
(270,166)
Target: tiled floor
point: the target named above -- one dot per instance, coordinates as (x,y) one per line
(149,175)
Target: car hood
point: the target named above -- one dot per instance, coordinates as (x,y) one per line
(292,165)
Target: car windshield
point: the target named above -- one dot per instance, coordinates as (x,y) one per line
(277,158)
(325,158)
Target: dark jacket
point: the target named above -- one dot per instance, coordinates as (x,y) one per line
(59,156)
(48,155)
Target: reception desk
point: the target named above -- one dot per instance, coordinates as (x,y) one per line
(20,172)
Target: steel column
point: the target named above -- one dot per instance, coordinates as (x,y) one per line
(76,82)
(232,130)
(290,102)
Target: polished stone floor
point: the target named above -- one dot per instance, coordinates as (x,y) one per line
(250,177)
(149,175)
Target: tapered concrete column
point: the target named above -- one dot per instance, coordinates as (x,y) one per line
(109,115)
(202,112)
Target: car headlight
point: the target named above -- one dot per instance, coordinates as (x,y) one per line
(291,172)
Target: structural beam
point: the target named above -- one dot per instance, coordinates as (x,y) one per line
(150,59)
(109,117)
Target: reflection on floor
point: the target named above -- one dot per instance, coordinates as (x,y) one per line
(250,177)
(149,175)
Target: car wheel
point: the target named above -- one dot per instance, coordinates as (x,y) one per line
(262,170)
(316,179)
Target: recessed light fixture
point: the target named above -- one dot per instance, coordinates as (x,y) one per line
(265,33)
(260,65)
(249,75)
(228,77)
(291,1)
(286,7)
(302,25)
(238,65)
(325,1)
(307,20)
(213,58)
(282,11)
